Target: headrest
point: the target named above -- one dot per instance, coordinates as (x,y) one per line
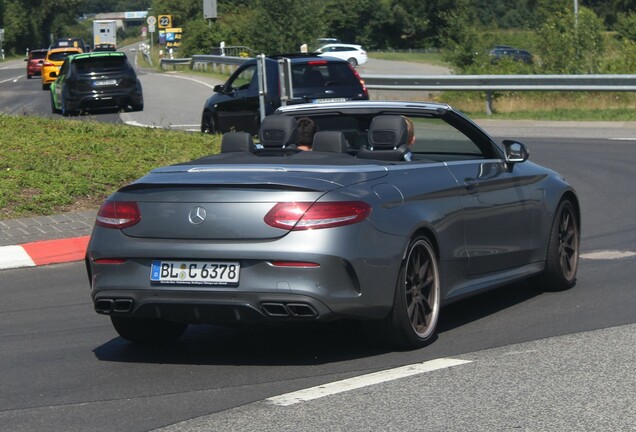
(399,154)
(330,141)
(237,142)
(387,132)
(277,131)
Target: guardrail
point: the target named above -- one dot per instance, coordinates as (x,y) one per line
(491,83)
(174,62)
(485,83)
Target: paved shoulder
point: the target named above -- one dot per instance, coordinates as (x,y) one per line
(580,382)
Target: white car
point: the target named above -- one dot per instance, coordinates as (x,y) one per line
(354,54)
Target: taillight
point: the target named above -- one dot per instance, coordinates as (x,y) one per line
(48,64)
(118,214)
(303,215)
(364,88)
(317,62)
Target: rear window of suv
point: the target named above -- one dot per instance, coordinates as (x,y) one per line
(320,73)
(100,64)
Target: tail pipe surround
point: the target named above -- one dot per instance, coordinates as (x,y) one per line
(108,305)
(289,310)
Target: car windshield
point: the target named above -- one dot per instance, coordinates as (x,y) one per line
(100,64)
(320,73)
(38,55)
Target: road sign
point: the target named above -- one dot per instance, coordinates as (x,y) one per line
(165,21)
(151,20)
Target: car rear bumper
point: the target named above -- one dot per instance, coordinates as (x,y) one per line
(345,280)
(105,99)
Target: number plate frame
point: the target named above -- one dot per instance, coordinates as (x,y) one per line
(102,83)
(328,100)
(211,273)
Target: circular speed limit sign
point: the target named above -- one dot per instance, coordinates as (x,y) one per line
(151,20)
(165,21)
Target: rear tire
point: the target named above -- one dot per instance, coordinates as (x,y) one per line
(413,319)
(65,111)
(147,330)
(563,251)
(353,62)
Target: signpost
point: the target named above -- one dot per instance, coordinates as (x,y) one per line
(151,20)
(209,9)
(1,40)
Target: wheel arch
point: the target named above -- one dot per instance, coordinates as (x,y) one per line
(427,232)
(571,196)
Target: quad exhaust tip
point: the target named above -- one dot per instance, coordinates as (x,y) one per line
(107,306)
(289,310)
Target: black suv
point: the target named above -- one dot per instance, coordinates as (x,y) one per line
(96,80)
(502,51)
(235,104)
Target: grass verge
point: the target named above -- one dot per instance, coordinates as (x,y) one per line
(48,166)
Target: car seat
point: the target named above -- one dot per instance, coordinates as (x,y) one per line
(387,139)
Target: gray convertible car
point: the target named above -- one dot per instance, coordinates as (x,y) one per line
(371,225)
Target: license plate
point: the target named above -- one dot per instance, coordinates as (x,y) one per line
(104,82)
(327,100)
(195,272)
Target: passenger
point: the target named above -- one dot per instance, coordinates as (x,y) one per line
(410,138)
(305,133)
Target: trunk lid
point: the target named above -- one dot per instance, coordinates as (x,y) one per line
(228,202)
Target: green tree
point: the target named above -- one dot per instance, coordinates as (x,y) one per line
(181,11)
(626,25)
(572,45)
(462,40)
(362,22)
(283,25)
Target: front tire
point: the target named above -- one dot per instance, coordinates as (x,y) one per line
(53,109)
(147,330)
(207,123)
(563,251)
(413,320)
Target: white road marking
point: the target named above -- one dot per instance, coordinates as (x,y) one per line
(14,257)
(607,255)
(363,381)
(623,139)
(14,79)
(168,75)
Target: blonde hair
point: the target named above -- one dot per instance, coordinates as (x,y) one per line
(410,131)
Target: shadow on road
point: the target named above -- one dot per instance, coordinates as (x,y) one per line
(297,344)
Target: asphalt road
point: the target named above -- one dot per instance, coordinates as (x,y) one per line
(537,361)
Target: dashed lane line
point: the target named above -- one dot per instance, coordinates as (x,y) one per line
(363,381)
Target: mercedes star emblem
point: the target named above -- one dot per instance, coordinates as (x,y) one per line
(197,215)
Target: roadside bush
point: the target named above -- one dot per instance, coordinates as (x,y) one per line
(570,45)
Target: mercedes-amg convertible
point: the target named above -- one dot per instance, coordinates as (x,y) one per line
(399,209)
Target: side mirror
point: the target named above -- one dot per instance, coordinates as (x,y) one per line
(515,152)
(26,59)
(218,88)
